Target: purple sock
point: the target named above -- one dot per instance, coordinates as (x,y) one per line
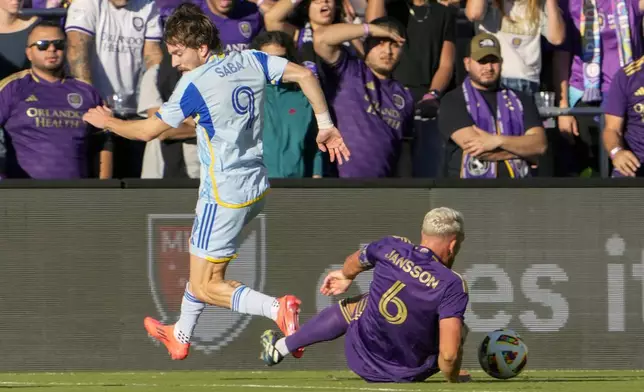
(327,325)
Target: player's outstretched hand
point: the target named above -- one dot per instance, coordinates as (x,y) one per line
(331,140)
(335,283)
(98,116)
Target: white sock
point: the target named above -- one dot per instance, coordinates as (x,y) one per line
(280,345)
(191,309)
(248,301)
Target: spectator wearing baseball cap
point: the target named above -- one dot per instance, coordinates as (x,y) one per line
(491,131)
(519,27)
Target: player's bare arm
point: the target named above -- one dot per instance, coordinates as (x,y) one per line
(623,160)
(338,282)
(78,45)
(328,40)
(450,348)
(184,131)
(152,53)
(144,130)
(329,138)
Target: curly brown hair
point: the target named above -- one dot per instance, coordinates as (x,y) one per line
(190,27)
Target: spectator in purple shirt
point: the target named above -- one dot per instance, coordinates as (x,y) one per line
(602,36)
(624,129)
(370,107)
(41,111)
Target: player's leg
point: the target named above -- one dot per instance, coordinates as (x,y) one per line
(176,337)
(331,323)
(208,273)
(213,245)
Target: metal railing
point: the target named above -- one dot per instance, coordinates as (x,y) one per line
(548,112)
(44,12)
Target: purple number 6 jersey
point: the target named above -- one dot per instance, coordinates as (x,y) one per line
(396,337)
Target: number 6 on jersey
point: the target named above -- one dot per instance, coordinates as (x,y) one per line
(390,297)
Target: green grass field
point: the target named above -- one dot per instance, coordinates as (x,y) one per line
(546,381)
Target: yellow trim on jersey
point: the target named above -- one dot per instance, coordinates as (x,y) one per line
(18,75)
(33,75)
(465,288)
(403,239)
(361,304)
(211,172)
(221,260)
(360,308)
(345,311)
(633,67)
(216,56)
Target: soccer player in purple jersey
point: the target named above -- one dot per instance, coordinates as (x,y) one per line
(410,324)
(624,130)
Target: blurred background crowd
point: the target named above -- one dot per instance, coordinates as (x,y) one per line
(419,88)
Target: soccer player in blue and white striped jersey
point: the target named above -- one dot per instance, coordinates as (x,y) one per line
(224,96)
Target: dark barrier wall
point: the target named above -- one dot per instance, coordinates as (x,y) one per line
(82,267)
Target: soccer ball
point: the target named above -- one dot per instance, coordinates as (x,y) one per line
(503,354)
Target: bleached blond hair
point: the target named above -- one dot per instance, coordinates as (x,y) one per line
(443,221)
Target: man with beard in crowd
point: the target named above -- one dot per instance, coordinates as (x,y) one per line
(492,132)
(41,111)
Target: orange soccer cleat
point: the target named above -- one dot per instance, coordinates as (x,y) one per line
(165,334)
(288,318)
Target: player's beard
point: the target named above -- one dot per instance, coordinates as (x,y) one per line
(490,84)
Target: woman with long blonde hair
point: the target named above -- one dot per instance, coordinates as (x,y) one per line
(518,25)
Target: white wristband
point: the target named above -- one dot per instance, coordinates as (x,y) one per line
(324,120)
(614,152)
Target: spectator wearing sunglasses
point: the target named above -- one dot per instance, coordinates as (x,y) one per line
(41,111)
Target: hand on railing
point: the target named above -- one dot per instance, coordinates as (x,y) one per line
(626,163)
(568,127)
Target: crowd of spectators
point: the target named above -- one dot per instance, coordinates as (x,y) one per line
(418,88)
